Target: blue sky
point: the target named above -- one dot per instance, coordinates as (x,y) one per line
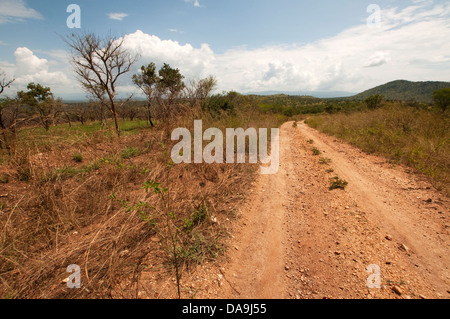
(249,45)
(223,24)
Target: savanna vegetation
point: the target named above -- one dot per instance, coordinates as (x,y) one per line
(404,133)
(92,183)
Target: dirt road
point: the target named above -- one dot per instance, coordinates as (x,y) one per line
(299,239)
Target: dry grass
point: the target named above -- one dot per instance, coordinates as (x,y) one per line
(97,213)
(416,137)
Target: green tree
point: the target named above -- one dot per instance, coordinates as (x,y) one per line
(170,85)
(147,81)
(374,101)
(170,81)
(42,101)
(442,98)
(219,103)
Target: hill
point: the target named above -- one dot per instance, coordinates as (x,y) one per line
(405,90)
(314,94)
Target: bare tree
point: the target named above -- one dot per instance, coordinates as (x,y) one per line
(99,63)
(198,91)
(4,83)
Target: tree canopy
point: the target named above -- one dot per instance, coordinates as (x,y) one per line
(442,98)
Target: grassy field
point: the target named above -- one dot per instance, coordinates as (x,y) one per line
(37,139)
(419,138)
(115,206)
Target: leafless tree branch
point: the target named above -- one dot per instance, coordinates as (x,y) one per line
(99,63)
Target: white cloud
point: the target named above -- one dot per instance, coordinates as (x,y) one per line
(30,68)
(117,16)
(16,10)
(196,3)
(191,61)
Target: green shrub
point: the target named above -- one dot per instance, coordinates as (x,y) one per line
(442,98)
(374,101)
(130,152)
(337,183)
(78,157)
(316,151)
(197,217)
(324,160)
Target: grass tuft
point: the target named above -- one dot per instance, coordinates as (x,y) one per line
(416,137)
(316,151)
(337,183)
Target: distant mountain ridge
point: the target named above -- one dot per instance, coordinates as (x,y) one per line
(405,90)
(396,90)
(316,94)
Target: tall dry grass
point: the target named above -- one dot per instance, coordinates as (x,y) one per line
(99,215)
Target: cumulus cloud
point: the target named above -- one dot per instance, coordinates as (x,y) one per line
(16,10)
(196,3)
(193,62)
(352,59)
(117,16)
(405,46)
(30,68)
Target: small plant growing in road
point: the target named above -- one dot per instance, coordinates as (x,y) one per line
(324,160)
(294,124)
(77,157)
(310,141)
(316,151)
(337,183)
(330,170)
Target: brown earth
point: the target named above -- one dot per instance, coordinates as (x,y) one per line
(296,238)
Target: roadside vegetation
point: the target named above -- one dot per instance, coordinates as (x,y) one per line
(405,134)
